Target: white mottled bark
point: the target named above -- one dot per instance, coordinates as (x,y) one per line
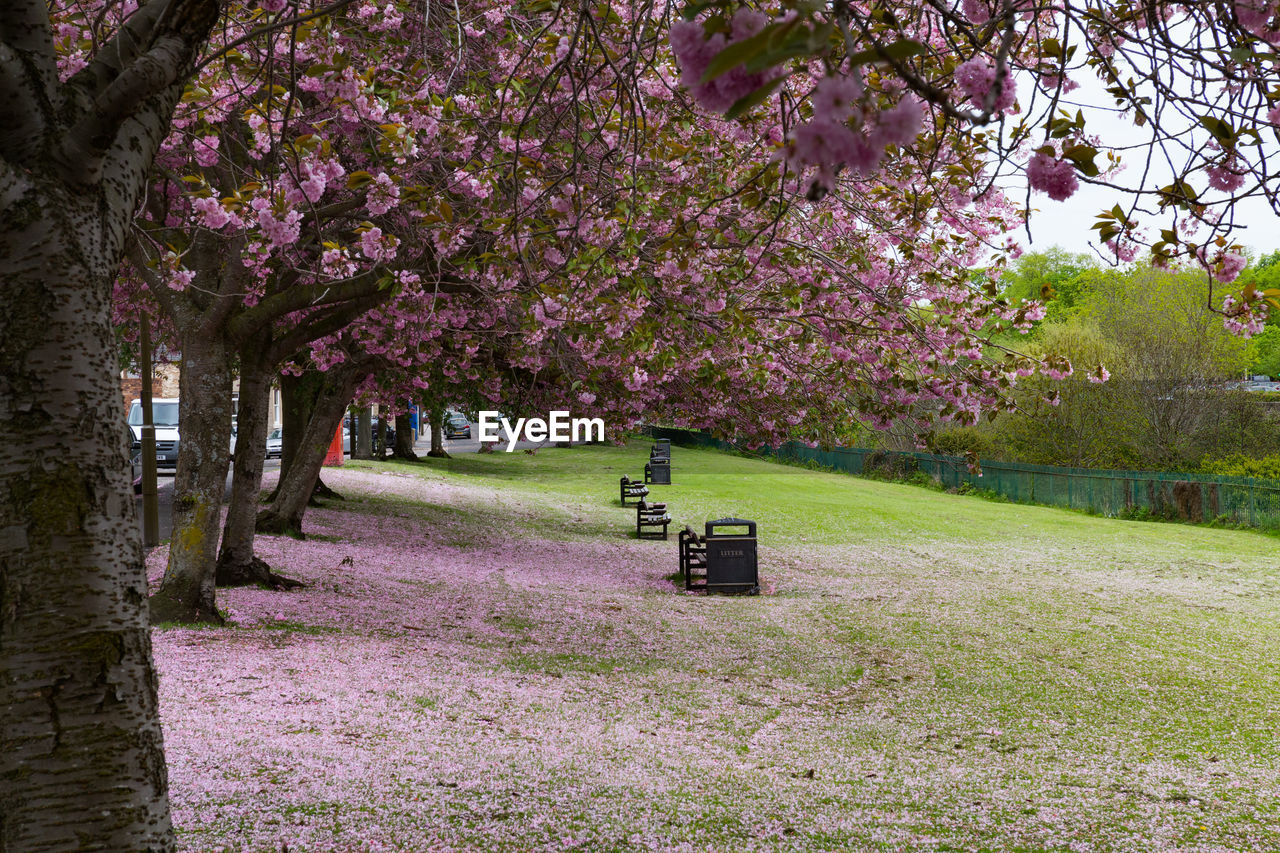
(81,757)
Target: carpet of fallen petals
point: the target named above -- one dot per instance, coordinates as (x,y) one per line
(473,666)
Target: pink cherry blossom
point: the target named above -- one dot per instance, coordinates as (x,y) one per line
(976,78)
(1050,175)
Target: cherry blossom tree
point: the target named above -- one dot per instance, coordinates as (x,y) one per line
(1194,80)
(81,764)
(272,223)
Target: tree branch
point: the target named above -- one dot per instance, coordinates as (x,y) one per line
(299,297)
(82,148)
(133,37)
(182,28)
(137,256)
(274,25)
(327,322)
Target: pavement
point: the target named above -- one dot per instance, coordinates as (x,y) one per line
(164,490)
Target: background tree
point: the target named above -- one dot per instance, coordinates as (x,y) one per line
(1053,276)
(1168,401)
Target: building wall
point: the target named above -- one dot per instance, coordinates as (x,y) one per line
(163,384)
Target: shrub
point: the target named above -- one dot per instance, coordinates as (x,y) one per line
(961,440)
(1240,465)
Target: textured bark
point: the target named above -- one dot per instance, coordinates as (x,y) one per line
(237,563)
(321,492)
(284,514)
(404,439)
(380,434)
(362,434)
(298,396)
(186,593)
(81,760)
(81,755)
(436,415)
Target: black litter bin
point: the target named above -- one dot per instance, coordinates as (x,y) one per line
(732,565)
(657,471)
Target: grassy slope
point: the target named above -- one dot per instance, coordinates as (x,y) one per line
(929,671)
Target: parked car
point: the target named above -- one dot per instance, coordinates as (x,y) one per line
(164,414)
(275,443)
(391,431)
(135,463)
(457,426)
(348,428)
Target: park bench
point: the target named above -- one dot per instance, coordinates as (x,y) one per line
(726,554)
(657,471)
(693,559)
(661,448)
(651,520)
(630,489)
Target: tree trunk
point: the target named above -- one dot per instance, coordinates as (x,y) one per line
(81,761)
(362,434)
(237,564)
(186,593)
(404,438)
(436,414)
(284,514)
(297,399)
(380,434)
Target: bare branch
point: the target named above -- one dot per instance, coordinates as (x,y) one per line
(271,27)
(327,322)
(129,42)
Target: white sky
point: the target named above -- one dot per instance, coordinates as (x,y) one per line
(1067,223)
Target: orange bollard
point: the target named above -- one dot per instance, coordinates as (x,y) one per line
(333,458)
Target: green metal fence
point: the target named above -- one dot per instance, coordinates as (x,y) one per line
(1189,497)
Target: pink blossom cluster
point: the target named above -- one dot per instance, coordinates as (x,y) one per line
(1259,17)
(1225,176)
(976,79)
(1050,175)
(213,214)
(383,194)
(694,51)
(1244,318)
(977,11)
(828,142)
(278,229)
(1225,265)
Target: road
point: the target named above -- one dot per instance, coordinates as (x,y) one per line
(456,445)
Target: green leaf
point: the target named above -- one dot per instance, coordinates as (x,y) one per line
(797,45)
(1082,157)
(1221,130)
(901,49)
(738,53)
(694,9)
(749,102)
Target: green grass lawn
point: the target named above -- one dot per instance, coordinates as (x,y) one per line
(925,671)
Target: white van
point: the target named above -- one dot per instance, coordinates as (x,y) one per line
(164,414)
